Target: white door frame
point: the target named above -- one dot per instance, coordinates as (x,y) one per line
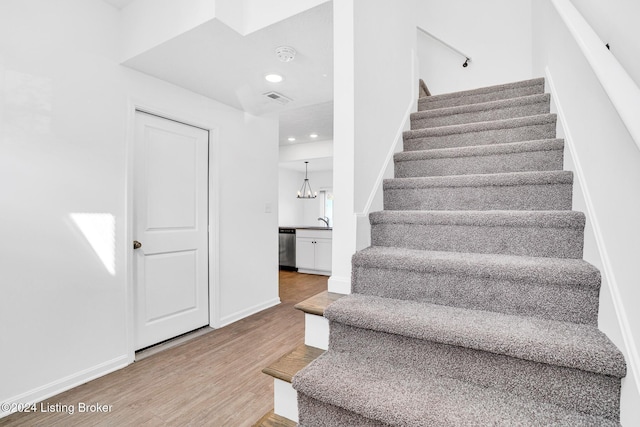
(213,208)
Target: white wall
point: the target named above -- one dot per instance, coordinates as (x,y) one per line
(306,151)
(344,223)
(248,223)
(374,86)
(384,85)
(496,34)
(289,211)
(149,23)
(65,121)
(616,23)
(259,14)
(606,164)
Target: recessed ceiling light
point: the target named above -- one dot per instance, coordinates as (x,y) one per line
(313,135)
(273,78)
(291,139)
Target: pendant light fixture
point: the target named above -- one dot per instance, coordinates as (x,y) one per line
(305,191)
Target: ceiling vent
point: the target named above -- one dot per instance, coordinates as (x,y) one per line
(278,97)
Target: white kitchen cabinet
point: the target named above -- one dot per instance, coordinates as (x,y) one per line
(305,253)
(313,251)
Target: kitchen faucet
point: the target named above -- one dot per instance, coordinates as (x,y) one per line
(325,220)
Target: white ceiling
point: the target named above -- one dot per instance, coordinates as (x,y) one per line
(319,164)
(119,3)
(299,123)
(216,61)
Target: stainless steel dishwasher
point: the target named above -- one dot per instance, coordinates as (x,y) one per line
(287,248)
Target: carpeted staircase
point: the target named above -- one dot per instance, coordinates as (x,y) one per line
(473,306)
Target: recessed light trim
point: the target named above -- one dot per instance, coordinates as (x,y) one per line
(273,78)
(291,139)
(313,135)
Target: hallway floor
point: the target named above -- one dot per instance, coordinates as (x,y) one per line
(212,380)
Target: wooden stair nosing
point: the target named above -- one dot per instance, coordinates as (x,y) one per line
(289,364)
(318,303)
(274,420)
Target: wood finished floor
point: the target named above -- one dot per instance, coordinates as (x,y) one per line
(212,380)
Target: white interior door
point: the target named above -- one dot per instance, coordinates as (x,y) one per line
(170,214)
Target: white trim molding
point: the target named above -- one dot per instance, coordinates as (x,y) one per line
(388,162)
(238,315)
(339,285)
(631,350)
(63,384)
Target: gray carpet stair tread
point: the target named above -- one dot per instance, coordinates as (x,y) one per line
(536,233)
(494,157)
(476,261)
(383,393)
(482,180)
(543,98)
(495,218)
(534,86)
(552,271)
(480,126)
(564,344)
(553,288)
(522,190)
(481,150)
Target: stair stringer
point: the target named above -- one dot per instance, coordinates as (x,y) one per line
(610,319)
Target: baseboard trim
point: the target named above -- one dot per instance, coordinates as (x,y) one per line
(239,315)
(317,272)
(388,161)
(63,384)
(339,285)
(631,350)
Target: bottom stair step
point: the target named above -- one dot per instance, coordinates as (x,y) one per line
(284,396)
(274,420)
(564,364)
(338,389)
(318,303)
(290,363)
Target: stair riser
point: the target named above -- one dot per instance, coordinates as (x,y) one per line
(498,163)
(508,197)
(482,137)
(314,413)
(524,241)
(573,389)
(431,103)
(578,304)
(480,116)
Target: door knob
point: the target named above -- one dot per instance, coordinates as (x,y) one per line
(136,244)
